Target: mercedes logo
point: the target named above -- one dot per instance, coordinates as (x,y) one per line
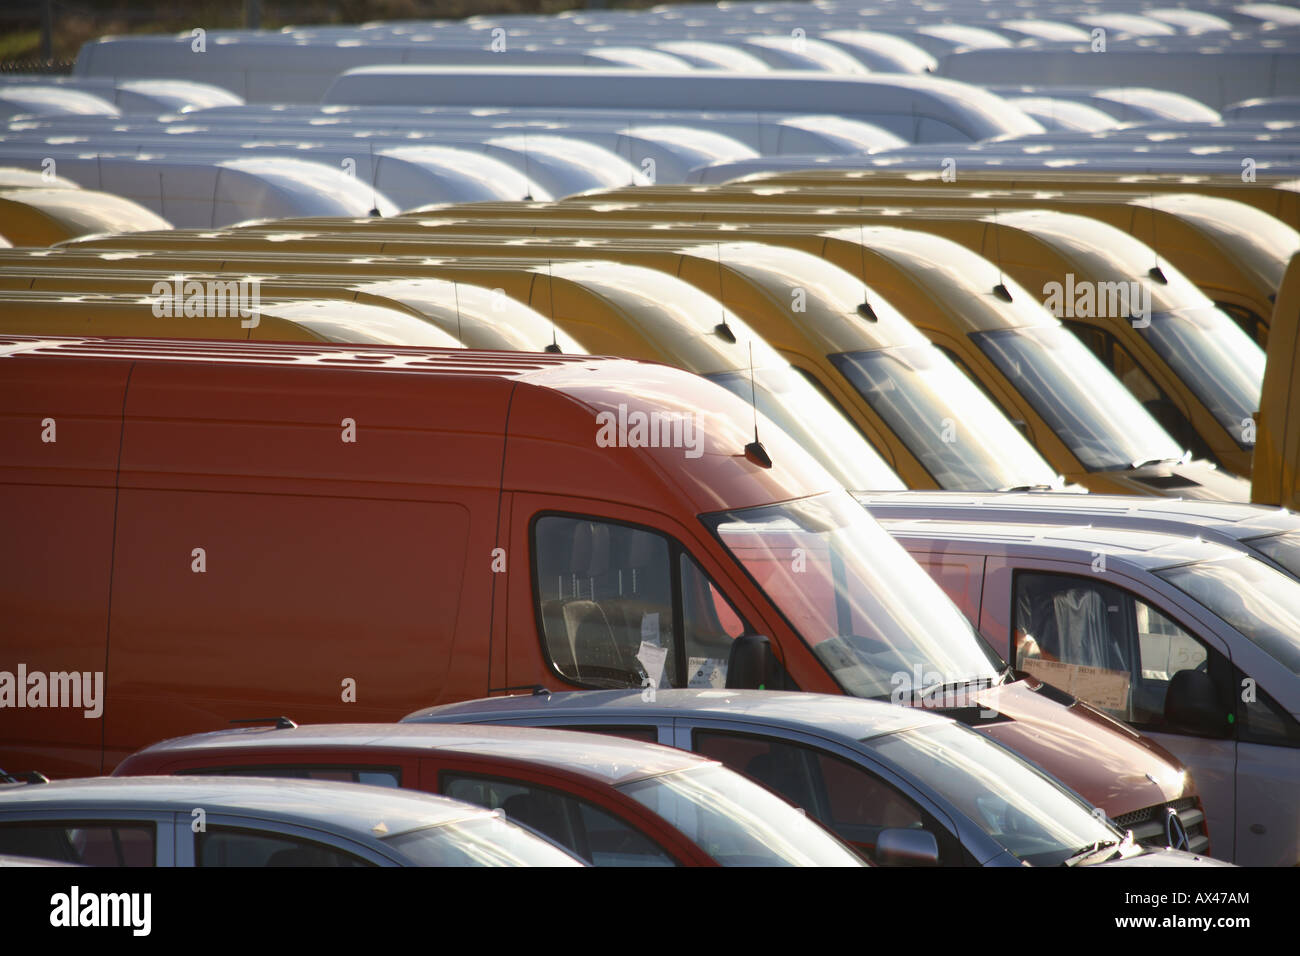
(1175,832)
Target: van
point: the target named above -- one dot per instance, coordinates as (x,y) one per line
(1276,480)
(41,217)
(1267,194)
(249,319)
(461,313)
(205,532)
(1191,642)
(1236,253)
(917,108)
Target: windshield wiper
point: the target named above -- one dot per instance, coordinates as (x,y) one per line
(1089,851)
(1156,461)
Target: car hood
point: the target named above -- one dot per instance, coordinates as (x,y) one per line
(1166,857)
(1106,762)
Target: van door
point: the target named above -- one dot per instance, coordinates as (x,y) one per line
(1277,426)
(1116,650)
(607,601)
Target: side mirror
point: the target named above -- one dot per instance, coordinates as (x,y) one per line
(751,663)
(904,846)
(1192,703)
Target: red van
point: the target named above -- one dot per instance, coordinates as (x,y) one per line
(198,532)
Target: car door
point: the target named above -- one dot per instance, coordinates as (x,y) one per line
(849,798)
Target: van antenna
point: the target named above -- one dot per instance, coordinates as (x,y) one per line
(528,174)
(554,347)
(1155,272)
(864,309)
(455,291)
(754,451)
(374,175)
(722,328)
(1000,290)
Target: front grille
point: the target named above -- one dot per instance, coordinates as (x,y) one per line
(1148,824)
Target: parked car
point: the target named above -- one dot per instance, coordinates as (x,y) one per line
(1194,644)
(902,785)
(611,802)
(220,821)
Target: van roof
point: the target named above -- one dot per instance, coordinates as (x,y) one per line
(573,433)
(1178,515)
(1147,550)
(607,759)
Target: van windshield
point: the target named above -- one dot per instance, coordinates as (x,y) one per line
(1025,812)
(861,603)
(962,439)
(1282,548)
(804,414)
(1082,402)
(1220,363)
(1259,602)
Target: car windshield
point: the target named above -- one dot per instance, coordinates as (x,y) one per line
(1282,548)
(1219,362)
(794,404)
(1259,602)
(1082,402)
(737,822)
(868,611)
(485,840)
(956,432)
(1025,811)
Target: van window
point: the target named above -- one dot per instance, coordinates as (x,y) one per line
(597,836)
(614,614)
(1103,645)
(1120,361)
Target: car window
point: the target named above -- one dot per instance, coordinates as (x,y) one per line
(845,798)
(235,846)
(592,833)
(96,843)
(1102,644)
(622,606)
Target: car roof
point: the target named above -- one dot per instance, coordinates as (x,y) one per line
(1172,515)
(607,760)
(1142,549)
(826,714)
(355,808)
